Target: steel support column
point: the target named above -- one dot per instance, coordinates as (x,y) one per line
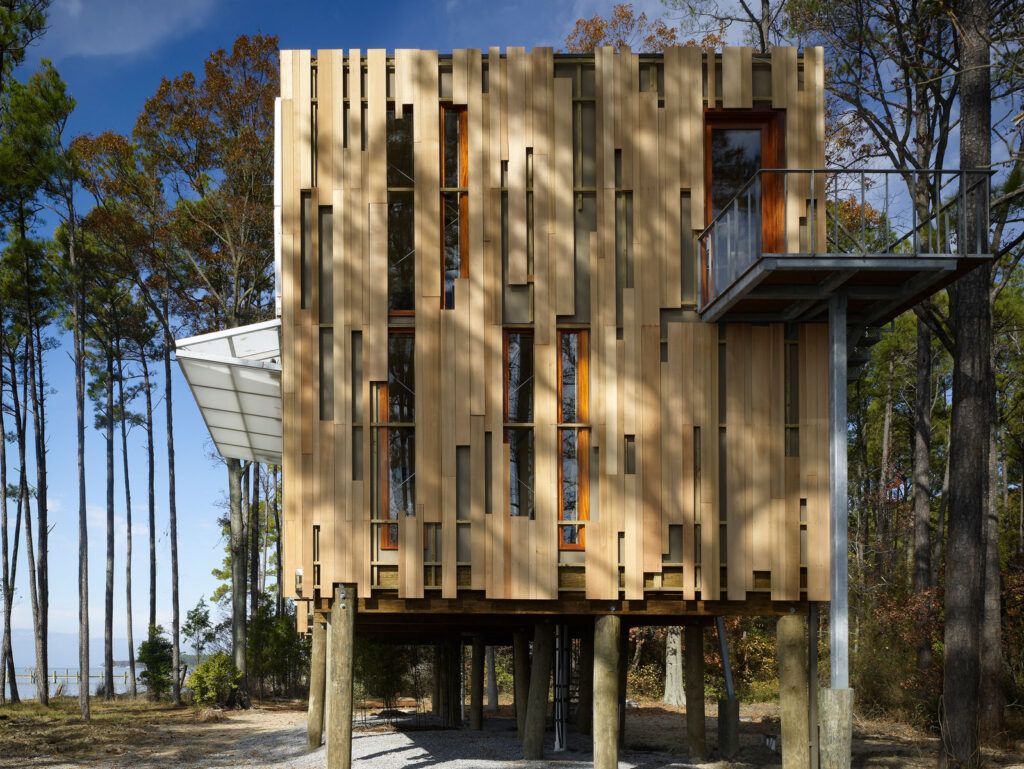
(836,702)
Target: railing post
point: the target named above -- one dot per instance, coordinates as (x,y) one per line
(862,238)
(913,213)
(813,245)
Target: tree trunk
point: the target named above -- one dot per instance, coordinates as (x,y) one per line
(881,526)
(991,685)
(254,542)
(278,555)
(108,606)
(922,483)
(172,509)
(20,414)
(38,387)
(83,522)
(123,415)
(239,552)
(675,693)
(147,391)
(939,539)
(6,579)
(970,314)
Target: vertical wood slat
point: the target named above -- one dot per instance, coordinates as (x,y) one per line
(760,446)
(649,449)
(460,76)
(670,163)
(713,88)
(477,324)
(737,352)
(797,185)
(289,384)
(306,392)
(737,77)
(693,133)
(707,352)
(516,85)
(562,252)
(477,515)
(816,360)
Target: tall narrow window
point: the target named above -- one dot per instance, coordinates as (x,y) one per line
(401,219)
(454,201)
(573,438)
(393,444)
(519,420)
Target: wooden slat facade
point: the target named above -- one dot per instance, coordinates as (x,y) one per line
(707,451)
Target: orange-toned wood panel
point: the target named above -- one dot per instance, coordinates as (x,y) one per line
(654,369)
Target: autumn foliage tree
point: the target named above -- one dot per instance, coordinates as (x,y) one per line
(623,28)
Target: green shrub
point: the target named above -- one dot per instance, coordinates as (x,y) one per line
(215,681)
(155,655)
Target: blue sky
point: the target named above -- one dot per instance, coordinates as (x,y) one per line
(113,55)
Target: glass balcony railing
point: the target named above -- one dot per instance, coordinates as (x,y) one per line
(835,214)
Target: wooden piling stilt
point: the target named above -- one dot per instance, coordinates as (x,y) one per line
(339,693)
(696,733)
(317,686)
(607,664)
(492,680)
(791,655)
(521,676)
(540,683)
(476,686)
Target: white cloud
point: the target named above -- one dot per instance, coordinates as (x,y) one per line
(114,27)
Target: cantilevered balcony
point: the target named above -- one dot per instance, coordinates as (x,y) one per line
(791,238)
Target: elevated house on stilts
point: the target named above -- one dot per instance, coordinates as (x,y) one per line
(562,347)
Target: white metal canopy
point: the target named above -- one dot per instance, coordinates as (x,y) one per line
(235,377)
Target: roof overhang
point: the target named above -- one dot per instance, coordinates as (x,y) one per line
(235,377)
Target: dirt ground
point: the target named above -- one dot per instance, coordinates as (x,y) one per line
(140,734)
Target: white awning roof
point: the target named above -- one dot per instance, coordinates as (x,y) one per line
(235,377)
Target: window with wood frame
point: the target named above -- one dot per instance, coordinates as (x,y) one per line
(738,144)
(519,381)
(393,440)
(401,217)
(573,438)
(454,201)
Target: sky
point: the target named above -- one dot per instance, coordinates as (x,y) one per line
(112,56)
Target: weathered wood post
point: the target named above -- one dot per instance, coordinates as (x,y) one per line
(537,701)
(317,685)
(585,710)
(476,686)
(521,674)
(607,661)
(450,682)
(435,692)
(696,735)
(492,679)
(339,694)
(791,656)
(623,679)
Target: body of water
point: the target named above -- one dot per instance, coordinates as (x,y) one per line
(65,680)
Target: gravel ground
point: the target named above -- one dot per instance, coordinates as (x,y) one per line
(275,738)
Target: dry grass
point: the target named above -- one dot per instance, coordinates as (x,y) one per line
(121,727)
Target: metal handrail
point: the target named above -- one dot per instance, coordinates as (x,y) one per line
(740,222)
